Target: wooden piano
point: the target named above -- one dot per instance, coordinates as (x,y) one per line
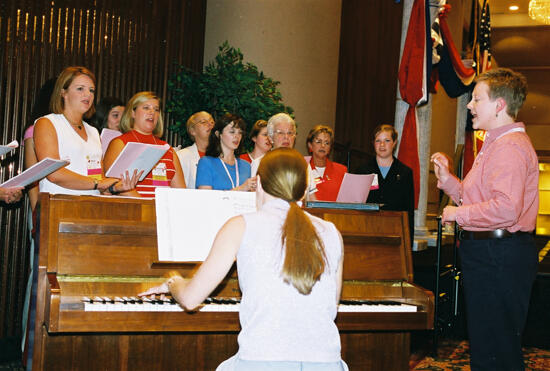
(107,247)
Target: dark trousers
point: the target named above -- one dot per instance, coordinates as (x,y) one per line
(498,276)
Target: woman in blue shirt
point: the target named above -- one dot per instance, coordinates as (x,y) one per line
(220,169)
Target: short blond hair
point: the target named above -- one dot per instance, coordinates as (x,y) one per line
(318,129)
(64,80)
(127,121)
(508,85)
(191,122)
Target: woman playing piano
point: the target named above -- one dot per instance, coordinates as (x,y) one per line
(290,274)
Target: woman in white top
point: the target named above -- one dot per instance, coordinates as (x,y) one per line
(290,274)
(199,126)
(63,134)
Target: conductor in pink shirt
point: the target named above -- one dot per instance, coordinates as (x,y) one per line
(497,209)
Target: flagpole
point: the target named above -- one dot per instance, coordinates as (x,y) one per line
(424,116)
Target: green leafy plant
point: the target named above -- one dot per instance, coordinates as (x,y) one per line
(226,85)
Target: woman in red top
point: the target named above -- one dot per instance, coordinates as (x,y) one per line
(328,175)
(142,122)
(262,145)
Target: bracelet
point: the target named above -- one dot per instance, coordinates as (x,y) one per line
(95,184)
(112,189)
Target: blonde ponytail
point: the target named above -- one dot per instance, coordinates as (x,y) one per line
(304,254)
(283,174)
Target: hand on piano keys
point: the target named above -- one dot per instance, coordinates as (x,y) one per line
(165,304)
(163,288)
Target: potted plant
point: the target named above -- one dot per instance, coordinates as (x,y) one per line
(227,84)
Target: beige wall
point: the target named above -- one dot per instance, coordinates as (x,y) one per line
(295,42)
(539,135)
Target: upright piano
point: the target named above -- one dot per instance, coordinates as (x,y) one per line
(104,249)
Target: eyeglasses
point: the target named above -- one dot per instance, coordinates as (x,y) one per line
(319,142)
(281,133)
(205,122)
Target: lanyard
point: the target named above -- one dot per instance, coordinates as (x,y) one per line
(229,175)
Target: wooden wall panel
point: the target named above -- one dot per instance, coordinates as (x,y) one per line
(370,38)
(130,45)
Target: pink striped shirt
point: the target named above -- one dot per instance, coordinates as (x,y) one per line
(501,189)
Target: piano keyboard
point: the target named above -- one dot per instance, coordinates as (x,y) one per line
(134,304)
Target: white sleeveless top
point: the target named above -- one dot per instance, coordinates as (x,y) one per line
(278,323)
(85,156)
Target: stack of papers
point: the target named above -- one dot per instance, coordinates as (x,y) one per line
(107,135)
(137,156)
(8,147)
(35,173)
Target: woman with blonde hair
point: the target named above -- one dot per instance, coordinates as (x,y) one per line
(142,122)
(64,134)
(297,256)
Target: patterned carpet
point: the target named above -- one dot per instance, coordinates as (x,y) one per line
(454,356)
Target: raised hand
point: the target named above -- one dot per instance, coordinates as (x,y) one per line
(441,166)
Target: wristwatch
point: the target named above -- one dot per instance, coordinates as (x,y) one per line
(112,189)
(95,184)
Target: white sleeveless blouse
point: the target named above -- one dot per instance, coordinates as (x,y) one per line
(84,156)
(278,323)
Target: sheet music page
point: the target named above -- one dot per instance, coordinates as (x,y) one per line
(35,172)
(107,135)
(137,156)
(355,188)
(189,219)
(8,147)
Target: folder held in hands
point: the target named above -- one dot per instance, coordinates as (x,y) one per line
(137,156)
(35,172)
(8,147)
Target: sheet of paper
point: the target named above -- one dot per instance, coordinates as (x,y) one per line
(107,135)
(35,172)
(137,156)
(189,219)
(355,188)
(8,147)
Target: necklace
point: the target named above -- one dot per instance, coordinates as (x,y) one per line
(79,126)
(137,138)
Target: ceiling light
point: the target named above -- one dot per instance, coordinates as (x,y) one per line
(539,10)
(513,8)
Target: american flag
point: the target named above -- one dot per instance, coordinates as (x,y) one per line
(484,39)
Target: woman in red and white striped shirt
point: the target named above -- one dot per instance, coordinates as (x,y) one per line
(142,122)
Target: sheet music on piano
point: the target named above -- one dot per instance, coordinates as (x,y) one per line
(189,219)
